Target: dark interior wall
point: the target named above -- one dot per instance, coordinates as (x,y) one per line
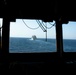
(47,11)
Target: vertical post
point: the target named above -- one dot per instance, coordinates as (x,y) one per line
(46,35)
(46,32)
(0,44)
(5,39)
(59,38)
(0,37)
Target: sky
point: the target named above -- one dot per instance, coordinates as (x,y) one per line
(69,30)
(19,29)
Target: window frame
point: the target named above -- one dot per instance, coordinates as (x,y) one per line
(32,57)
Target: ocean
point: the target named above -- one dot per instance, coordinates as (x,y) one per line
(27,45)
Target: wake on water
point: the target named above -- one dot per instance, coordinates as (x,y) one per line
(40,41)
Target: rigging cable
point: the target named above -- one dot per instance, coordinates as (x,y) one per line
(1,26)
(44,25)
(30,27)
(39,23)
(50,23)
(48,27)
(51,26)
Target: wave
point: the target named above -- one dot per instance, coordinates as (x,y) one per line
(40,41)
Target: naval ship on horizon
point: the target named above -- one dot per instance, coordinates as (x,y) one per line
(33,37)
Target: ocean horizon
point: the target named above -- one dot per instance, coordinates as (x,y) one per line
(27,45)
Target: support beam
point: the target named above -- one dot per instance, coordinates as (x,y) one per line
(0,44)
(59,38)
(5,39)
(0,38)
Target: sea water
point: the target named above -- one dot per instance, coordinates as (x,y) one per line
(28,45)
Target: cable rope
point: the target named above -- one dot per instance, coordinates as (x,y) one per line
(50,23)
(48,27)
(41,25)
(51,26)
(30,27)
(1,26)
